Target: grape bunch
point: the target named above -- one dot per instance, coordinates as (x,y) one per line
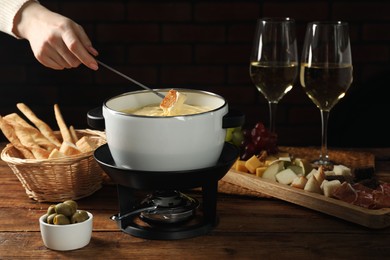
(258,139)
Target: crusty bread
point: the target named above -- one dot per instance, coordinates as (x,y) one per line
(73,134)
(10,134)
(56,154)
(27,131)
(30,142)
(69,148)
(85,144)
(14,118)
(172,101)
(169,99)
(66,136)
(41,125)
(39,153)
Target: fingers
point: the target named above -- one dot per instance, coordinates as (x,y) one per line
(66,51)
(79,45)
(58,42)
(50,57)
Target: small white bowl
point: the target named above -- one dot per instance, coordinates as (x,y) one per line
(66,237)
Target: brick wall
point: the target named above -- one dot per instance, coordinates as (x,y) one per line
(206,45)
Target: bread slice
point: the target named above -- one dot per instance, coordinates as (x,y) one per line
(172,102)
(84,144)
(69,149)
(56,154)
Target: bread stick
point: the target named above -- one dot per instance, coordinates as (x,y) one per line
(15,118)
(73,134)
(66,136)
(21,126)
(41,125)
(10,134)
(39,153)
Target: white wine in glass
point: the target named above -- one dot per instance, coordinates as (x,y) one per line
(326,71)
(274,61)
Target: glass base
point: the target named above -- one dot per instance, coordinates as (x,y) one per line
(326,164)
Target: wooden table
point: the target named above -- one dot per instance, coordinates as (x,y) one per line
(249,228)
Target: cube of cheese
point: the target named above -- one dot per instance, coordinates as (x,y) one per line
(240,166)
(329,187)
(342,170)
(252,163)
(260,170)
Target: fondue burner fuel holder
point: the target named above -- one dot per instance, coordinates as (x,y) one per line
(166,213)
(166,223)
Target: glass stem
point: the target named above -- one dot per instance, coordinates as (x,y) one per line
(272,115)
(324,158)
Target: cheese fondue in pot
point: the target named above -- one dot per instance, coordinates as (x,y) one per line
(171,105)
(156,110)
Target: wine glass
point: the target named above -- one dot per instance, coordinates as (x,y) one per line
(274,61)
(326,71)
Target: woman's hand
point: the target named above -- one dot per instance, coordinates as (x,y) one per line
(56,41)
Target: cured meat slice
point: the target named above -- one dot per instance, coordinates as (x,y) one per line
(363,196)
(346,193)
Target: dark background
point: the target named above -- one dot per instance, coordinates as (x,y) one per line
(206,45)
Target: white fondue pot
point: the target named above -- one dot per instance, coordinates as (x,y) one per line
(173,143)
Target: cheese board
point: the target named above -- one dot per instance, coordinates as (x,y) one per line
(376,219)
(370,218)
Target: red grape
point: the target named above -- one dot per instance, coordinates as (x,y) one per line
(256,140)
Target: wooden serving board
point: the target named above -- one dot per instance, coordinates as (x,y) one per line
(376,219)
(256,186)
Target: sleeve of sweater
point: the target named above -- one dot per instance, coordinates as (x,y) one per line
(8,10)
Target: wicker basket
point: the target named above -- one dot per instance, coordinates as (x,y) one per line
(56,180)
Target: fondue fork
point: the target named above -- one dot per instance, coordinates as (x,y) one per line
(130,79)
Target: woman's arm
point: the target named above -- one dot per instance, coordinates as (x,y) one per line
(56,41)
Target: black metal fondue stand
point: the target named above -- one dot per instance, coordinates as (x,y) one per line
(166,213)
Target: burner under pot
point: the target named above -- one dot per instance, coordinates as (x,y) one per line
(168,207)
(166,213)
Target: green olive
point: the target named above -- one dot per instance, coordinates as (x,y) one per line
(45,218)
(61,219)
(72,203)
(50,218)
(65,209)
(51,209)
(79,216)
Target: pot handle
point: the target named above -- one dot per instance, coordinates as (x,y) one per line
(232,119)
(95,118)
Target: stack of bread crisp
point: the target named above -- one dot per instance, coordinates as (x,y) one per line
(36,140)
